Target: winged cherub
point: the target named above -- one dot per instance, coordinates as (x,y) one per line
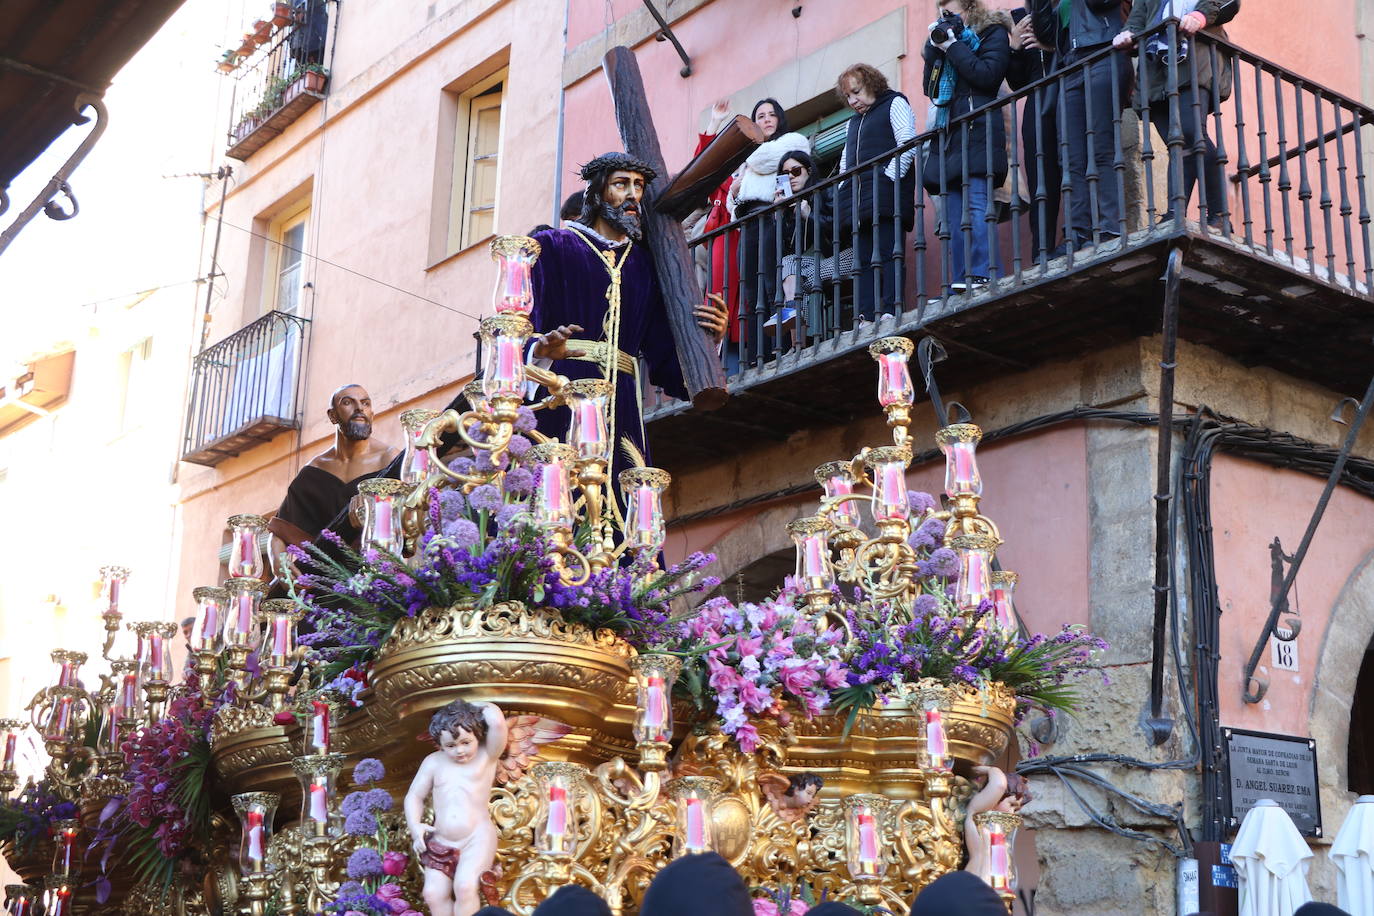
(790,797)
(478,748)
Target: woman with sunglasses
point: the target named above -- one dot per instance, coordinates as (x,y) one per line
(804,253)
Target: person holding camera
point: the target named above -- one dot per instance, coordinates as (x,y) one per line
(1090,98)
(966,60)
(1194,100)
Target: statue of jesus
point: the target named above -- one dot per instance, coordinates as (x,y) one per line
(598,306)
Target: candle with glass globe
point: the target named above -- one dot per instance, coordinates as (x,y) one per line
(1004,612)
(695,798)
(317,737)
(959,442)
(888,465)
(588,400)
(814,568)
(552,507)
(515,256)
(894,377)
(383,504)
(837,480)
(415,463)
(245,546)
(643,489)
(503,355)
(974,585)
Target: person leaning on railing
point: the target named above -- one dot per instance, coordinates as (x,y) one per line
(1031,62)
(884,123)
(963,72)
(1194,101)
(1091,96)
(752,191)
(802,255)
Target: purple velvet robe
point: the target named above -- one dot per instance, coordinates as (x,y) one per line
(570,285)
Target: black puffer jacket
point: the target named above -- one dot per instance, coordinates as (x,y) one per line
(1092,24)
(981,74)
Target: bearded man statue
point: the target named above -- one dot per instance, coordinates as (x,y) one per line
(597,302)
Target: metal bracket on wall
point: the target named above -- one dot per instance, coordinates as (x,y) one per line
(1280,605)
(665,33)
(929,352)
(47,199)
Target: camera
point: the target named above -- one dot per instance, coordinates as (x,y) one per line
(948,27)
(1157,48)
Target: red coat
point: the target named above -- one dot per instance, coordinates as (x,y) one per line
(724,279)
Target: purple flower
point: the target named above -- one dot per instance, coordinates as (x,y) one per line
(360,823)
(353,803)
(365,862)
(921,502)
(519,482)
(379,799)
(485,462)
(368,770)
(461,465)
(462,532)
(451,504)
(525,420)
(943,562)
(485,498)
(518,446)
(507,514)
(351,889)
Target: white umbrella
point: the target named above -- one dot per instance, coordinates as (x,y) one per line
(1353,853)
(1271,860)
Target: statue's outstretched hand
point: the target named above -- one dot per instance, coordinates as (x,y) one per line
(554,344)
(713,316)
(418,844)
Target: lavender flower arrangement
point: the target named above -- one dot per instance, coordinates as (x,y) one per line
(890,651)
(27,817)
(372,866)
(479,547)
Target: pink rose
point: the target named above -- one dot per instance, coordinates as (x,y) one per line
(394,863)
(796,679)
(722,677)
(390,894)
(284,718)
(748,737)
(765,907)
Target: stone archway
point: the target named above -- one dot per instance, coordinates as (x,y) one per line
(759,547)
(1348,635)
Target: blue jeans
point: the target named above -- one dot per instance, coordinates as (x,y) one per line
(979,264)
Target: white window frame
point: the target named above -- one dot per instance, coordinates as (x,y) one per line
(471,101)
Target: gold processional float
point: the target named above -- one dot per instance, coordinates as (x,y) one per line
(633,784)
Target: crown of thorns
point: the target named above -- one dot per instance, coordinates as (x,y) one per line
(612,162)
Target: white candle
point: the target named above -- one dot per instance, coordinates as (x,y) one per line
(281,638)
(319,727)
(696,824)
(319,804)
(655,708)
(155,668)
(255,850)
(557,829)
(999,865)
(868,839)
(936,745)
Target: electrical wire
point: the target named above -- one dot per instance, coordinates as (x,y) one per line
(357,273)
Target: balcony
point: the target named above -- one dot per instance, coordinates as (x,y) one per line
(1277,274)
(245,389)
(280,79)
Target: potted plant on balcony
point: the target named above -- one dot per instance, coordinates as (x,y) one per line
(228,61)
(281,14)
(310,78)
(273,94)
(262,30)
(248,44)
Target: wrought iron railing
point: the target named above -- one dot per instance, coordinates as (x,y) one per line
(283,77)
(1290,166)
(245,389)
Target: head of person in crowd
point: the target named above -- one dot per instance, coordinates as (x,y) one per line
(697,884)
(187,626)
(860,85)
(572,207)
(573,900)
(975,13)
(800,170)
(770,117)
(959,893)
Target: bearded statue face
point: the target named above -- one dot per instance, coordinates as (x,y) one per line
(352,412)
(618,202)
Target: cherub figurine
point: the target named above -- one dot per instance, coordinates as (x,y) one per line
(478,748)
(790,797)
(1000,793)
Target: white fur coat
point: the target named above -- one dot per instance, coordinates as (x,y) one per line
(758,176)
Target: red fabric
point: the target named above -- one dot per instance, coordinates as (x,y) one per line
(720,277)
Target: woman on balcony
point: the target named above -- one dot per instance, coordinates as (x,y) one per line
(964,69)
(754,190)
(872,203)
(805,246)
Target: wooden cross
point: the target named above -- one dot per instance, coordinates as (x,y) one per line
(677,276)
